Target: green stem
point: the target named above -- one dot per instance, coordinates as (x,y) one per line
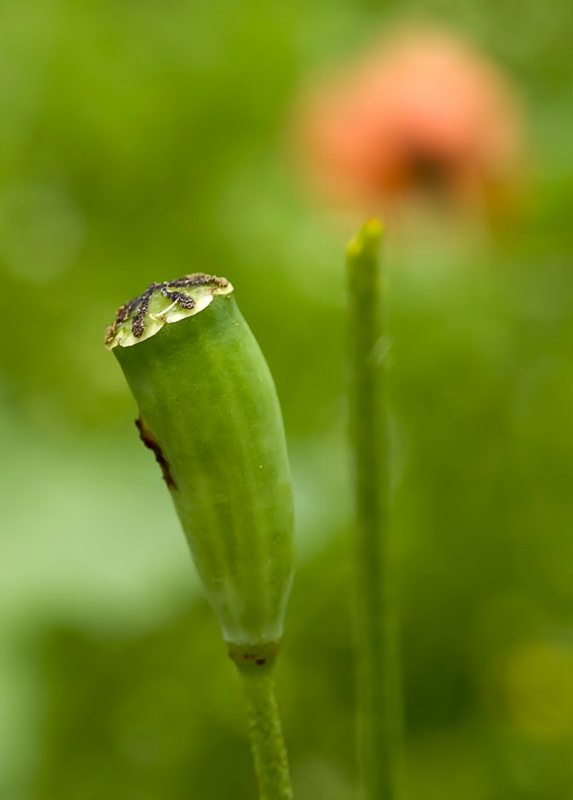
(267,743)
(377,693)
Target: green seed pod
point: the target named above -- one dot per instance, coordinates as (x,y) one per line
(208,410)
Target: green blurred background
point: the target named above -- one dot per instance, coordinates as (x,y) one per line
(144,140)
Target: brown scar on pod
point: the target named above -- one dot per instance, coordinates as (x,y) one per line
(149,441)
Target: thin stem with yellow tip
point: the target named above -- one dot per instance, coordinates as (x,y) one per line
(377,693)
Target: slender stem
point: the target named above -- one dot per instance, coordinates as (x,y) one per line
(377,695)
(267,743)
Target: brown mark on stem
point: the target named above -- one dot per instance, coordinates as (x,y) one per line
(255,655)
(148,440)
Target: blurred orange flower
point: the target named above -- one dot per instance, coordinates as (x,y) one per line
(422,115)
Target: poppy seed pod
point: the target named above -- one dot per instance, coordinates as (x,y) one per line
(208,410)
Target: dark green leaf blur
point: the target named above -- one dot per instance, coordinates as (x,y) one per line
(141,141)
